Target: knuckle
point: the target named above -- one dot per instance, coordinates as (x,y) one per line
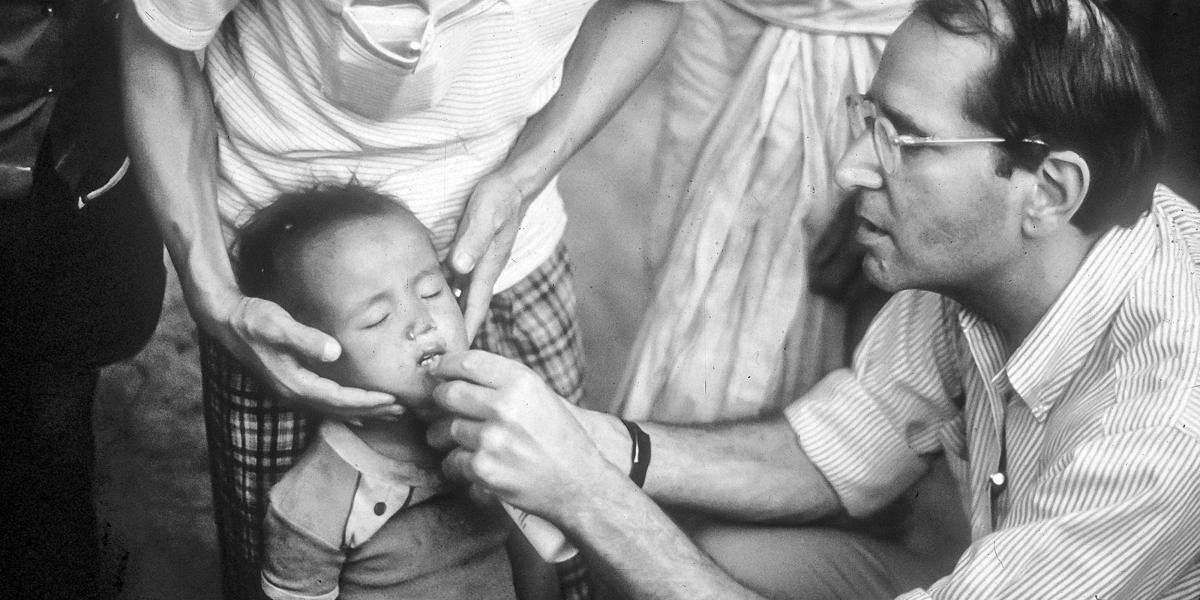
(483,468)
(492,437)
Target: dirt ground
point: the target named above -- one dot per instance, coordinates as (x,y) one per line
(154,498)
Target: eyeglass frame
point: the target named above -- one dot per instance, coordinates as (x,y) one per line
(882,127)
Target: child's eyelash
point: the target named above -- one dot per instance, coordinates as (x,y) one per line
(380,321)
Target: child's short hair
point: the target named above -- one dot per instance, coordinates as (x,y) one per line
(264,244)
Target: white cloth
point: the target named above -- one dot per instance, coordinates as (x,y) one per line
(755,122)
(279,130)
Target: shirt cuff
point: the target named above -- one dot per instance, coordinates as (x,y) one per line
(853,444)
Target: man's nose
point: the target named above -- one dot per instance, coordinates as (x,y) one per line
(859,167)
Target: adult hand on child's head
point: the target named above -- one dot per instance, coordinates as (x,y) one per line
(267,339)
(483,243)
(510,434)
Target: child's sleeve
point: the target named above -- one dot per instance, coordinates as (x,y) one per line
(297,564)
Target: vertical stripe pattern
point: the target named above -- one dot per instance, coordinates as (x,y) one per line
(1094,419)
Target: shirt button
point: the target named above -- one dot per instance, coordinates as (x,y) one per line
(380,508)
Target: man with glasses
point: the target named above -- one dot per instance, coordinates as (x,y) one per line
(1044,337)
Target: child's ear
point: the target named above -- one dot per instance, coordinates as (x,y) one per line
(1061,183)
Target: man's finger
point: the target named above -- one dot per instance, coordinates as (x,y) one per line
(481,495)
(457,465)
(438,434)
(465,398)
(478,367)
(466,432)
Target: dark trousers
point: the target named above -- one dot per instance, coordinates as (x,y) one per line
(51,548)
(79,288)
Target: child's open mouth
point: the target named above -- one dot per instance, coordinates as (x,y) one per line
(429,359)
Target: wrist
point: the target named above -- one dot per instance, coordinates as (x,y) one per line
(610,435)
(213,307)
(529,172)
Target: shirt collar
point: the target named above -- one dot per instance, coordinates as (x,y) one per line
(1046,362)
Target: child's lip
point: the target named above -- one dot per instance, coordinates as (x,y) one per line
(430,355)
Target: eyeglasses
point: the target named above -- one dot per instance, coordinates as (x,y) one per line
(864,115)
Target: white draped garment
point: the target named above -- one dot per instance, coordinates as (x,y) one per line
(755,122)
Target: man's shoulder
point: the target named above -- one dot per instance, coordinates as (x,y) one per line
(1179,221)
(1154,337)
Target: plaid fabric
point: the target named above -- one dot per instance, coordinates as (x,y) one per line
(253,438)
(534,322)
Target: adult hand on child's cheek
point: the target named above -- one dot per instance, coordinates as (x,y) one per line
(483,243)
(267,339)
(511,434)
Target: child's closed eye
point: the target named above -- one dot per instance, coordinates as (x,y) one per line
(376,322)
(431,287)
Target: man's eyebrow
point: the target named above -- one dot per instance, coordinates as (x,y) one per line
(903,122)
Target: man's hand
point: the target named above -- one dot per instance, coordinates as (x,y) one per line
(515,437)
(267,339)
(482,244)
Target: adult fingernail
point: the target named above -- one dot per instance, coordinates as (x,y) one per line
(331,351)
(463,263)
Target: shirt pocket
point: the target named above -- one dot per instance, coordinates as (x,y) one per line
(386,62)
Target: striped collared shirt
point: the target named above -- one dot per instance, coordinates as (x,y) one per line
(1096,416)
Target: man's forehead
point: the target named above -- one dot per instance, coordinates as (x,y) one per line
(927,70)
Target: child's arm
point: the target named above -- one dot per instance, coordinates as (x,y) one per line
(297,565)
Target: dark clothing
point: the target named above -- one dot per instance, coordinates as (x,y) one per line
(81,287)
(48,448)
(82,278)
(79,255)
(58,75)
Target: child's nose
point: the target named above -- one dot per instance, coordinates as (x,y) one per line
(420,326)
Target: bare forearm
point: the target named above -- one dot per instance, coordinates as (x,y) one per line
(618,43)
(171,130)
(640,550)
(748,471)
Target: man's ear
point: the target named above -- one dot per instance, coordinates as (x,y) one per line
(1063,180)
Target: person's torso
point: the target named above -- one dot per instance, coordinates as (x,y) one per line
(302,98)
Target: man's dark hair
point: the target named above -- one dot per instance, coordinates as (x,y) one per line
(1066,73)
(264,246)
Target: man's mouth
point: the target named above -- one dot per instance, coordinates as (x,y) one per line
(870,227)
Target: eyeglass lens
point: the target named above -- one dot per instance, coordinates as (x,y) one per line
(864,118)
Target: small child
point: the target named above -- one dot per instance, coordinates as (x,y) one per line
(365,513)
